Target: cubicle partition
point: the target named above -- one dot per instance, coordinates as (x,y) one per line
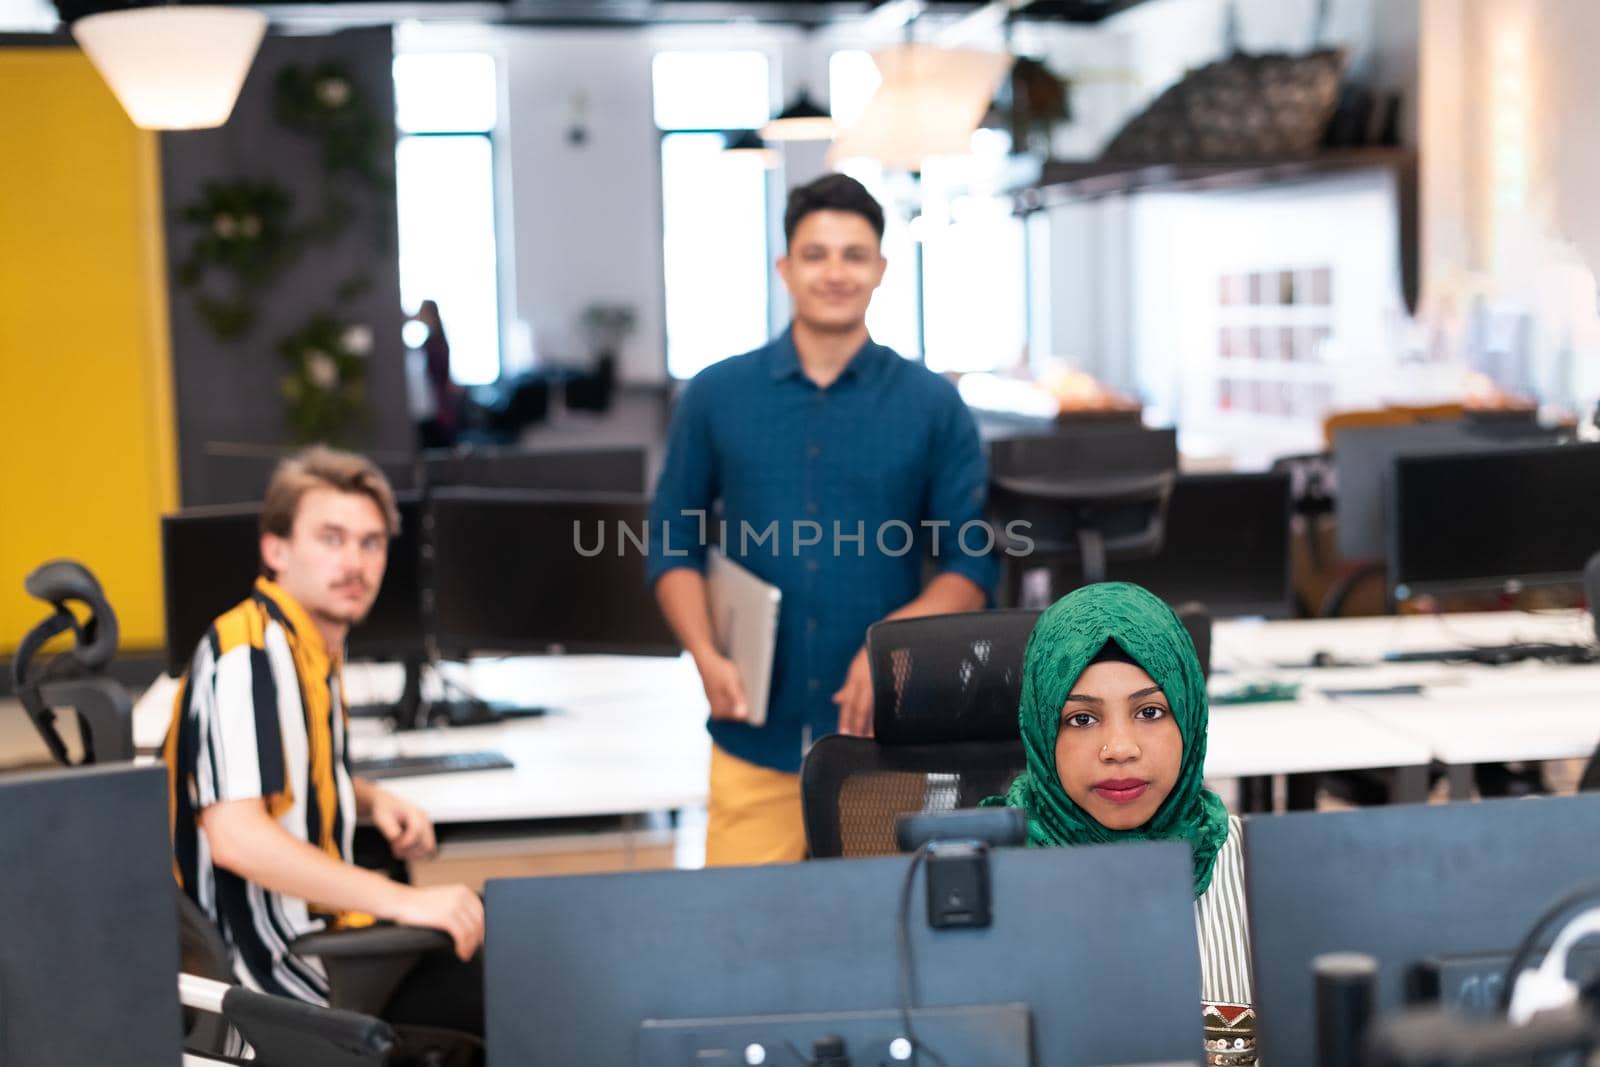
(89,958)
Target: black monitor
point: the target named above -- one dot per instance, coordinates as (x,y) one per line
(1364,460)
(1096,944)
(237,473)
(211,556)
(569,470)
(1226,546)
(540,572)
(89,958)
(1493,520)
(1408,885)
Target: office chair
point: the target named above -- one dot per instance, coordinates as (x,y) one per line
(944,693)
(364,966)
(74,678)
(1084,496)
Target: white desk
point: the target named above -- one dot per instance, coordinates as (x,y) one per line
(1253,645)
(1303,737)
(1465,714)
(629,735)
(626,735)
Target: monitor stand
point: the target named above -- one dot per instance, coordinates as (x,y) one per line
(412,712)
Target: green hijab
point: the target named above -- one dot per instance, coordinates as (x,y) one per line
(1068,635)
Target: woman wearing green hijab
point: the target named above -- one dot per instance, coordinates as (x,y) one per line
(1113,715)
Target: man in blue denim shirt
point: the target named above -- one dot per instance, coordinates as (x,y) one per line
(838,465)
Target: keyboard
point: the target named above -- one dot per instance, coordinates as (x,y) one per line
(441,763)
(1500,654)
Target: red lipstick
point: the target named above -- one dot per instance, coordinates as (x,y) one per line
(1121,790)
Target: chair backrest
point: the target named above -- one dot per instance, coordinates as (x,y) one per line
(1112,480)
(854,788)
(945,693)
(957,678)
(948,678)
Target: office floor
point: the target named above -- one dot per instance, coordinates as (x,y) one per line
(644,848)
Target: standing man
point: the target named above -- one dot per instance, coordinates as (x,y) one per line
(263,803)
(829,454)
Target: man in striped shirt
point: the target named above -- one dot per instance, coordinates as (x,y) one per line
(263,803)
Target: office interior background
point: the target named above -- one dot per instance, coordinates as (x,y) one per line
(1262,224)
(558,186)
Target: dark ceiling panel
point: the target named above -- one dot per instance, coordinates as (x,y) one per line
(623,12)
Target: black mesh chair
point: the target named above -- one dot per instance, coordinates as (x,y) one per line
(1079,497)
(944,691)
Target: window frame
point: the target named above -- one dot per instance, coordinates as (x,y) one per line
(497,206)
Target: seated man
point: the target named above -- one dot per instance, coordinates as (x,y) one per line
(263,803)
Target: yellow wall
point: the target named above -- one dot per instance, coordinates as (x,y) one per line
(86,429)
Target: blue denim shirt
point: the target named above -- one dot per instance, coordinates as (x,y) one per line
(833,495)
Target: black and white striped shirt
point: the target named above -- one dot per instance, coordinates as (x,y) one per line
(260,715)
(1226,994)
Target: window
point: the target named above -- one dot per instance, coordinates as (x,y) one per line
(956,289)
(714,206)
(711,90)
(975,285)
(894,319)
(446,110)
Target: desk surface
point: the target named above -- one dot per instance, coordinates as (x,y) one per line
(1465,713)
(1303,736)
(625,735)
(628,733)
(1246,644)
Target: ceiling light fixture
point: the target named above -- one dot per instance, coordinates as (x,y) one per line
(929,102)
(802,120)
(173,67)
(748,143)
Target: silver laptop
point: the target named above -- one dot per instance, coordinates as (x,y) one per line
(744,621)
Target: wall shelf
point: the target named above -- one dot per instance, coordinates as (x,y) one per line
(1066,183)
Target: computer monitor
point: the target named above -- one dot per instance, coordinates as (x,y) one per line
(237,473)
(1226,546)
(1097,942)
(539,572)
(1404,884)
(1363,459)
(568,470)
(210,559)
(89,958)
(1493,520)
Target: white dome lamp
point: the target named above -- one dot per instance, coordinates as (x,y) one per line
(173,67)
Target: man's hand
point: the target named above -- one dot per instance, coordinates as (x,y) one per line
(455,909)
(724,689)
(407,827)
(855,698)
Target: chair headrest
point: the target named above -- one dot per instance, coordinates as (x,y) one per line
(957,678)
(945,678)
(60,583)
(61,580)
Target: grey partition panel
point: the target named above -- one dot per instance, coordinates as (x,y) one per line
(1404,884)
(1098,942)
(89,955)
